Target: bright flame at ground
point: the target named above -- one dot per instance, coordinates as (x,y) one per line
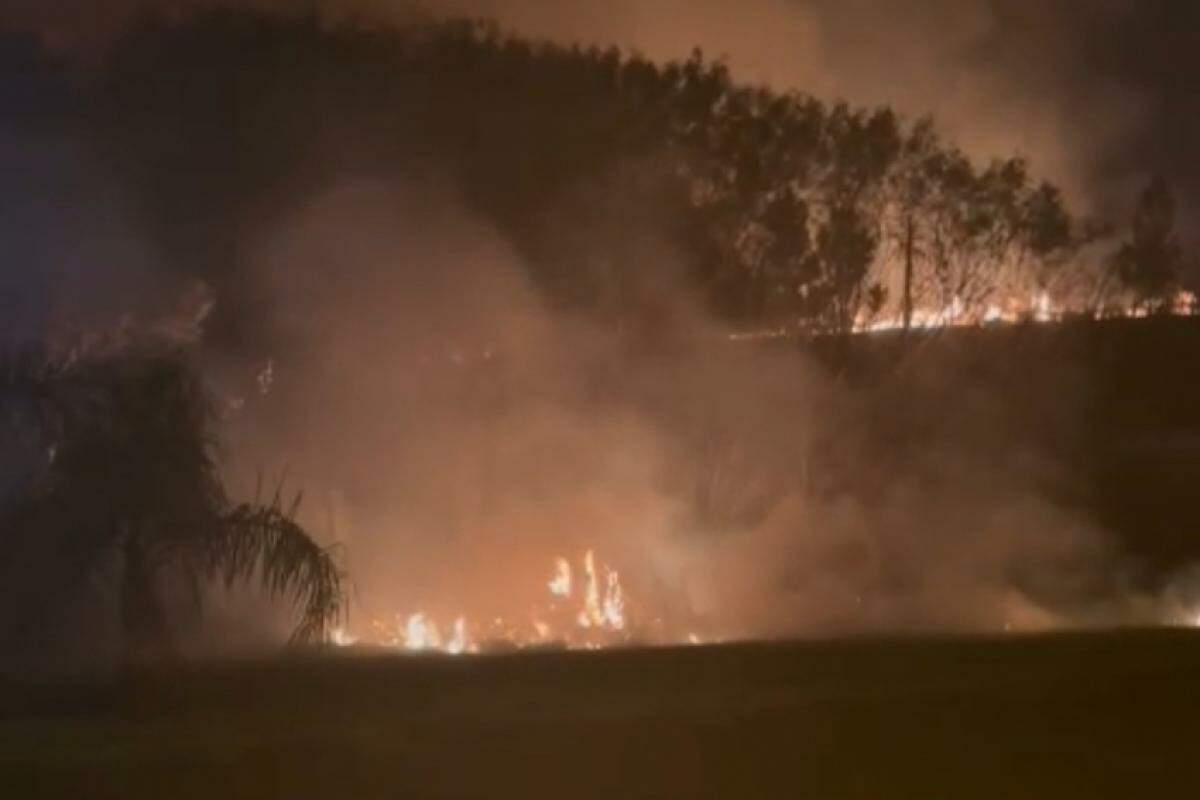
(600,619)
(458,640)
(421,633)
(339,637)
(560,585)
(590,614)
(614,603)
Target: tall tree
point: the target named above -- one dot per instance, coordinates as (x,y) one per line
(845,247)
(909,189)
(973,239)
(211,119)
(1149,262)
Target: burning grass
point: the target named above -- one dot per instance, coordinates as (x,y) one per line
(583,611)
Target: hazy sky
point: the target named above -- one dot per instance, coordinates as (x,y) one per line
(1099,93)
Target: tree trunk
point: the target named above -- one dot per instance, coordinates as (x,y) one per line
(908,272)
(143,618)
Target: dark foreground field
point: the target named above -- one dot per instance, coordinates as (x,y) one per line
(1079,716)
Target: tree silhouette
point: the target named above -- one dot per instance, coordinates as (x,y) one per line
(845,248)
(1150,261)
(219,119)
(126,473)
(962,233)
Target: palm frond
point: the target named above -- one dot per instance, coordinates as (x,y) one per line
(118,453)
(266,541)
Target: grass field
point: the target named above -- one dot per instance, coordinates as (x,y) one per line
(1067,716)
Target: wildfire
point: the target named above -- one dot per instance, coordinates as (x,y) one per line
(421,633)
(1038,307)
(560,585)
(600,619)
(341,638)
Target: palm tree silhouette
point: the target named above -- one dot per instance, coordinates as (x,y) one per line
(124,471)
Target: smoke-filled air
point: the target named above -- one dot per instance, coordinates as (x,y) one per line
(372,326)
(645,399)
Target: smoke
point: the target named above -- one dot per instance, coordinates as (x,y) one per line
(457,434)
